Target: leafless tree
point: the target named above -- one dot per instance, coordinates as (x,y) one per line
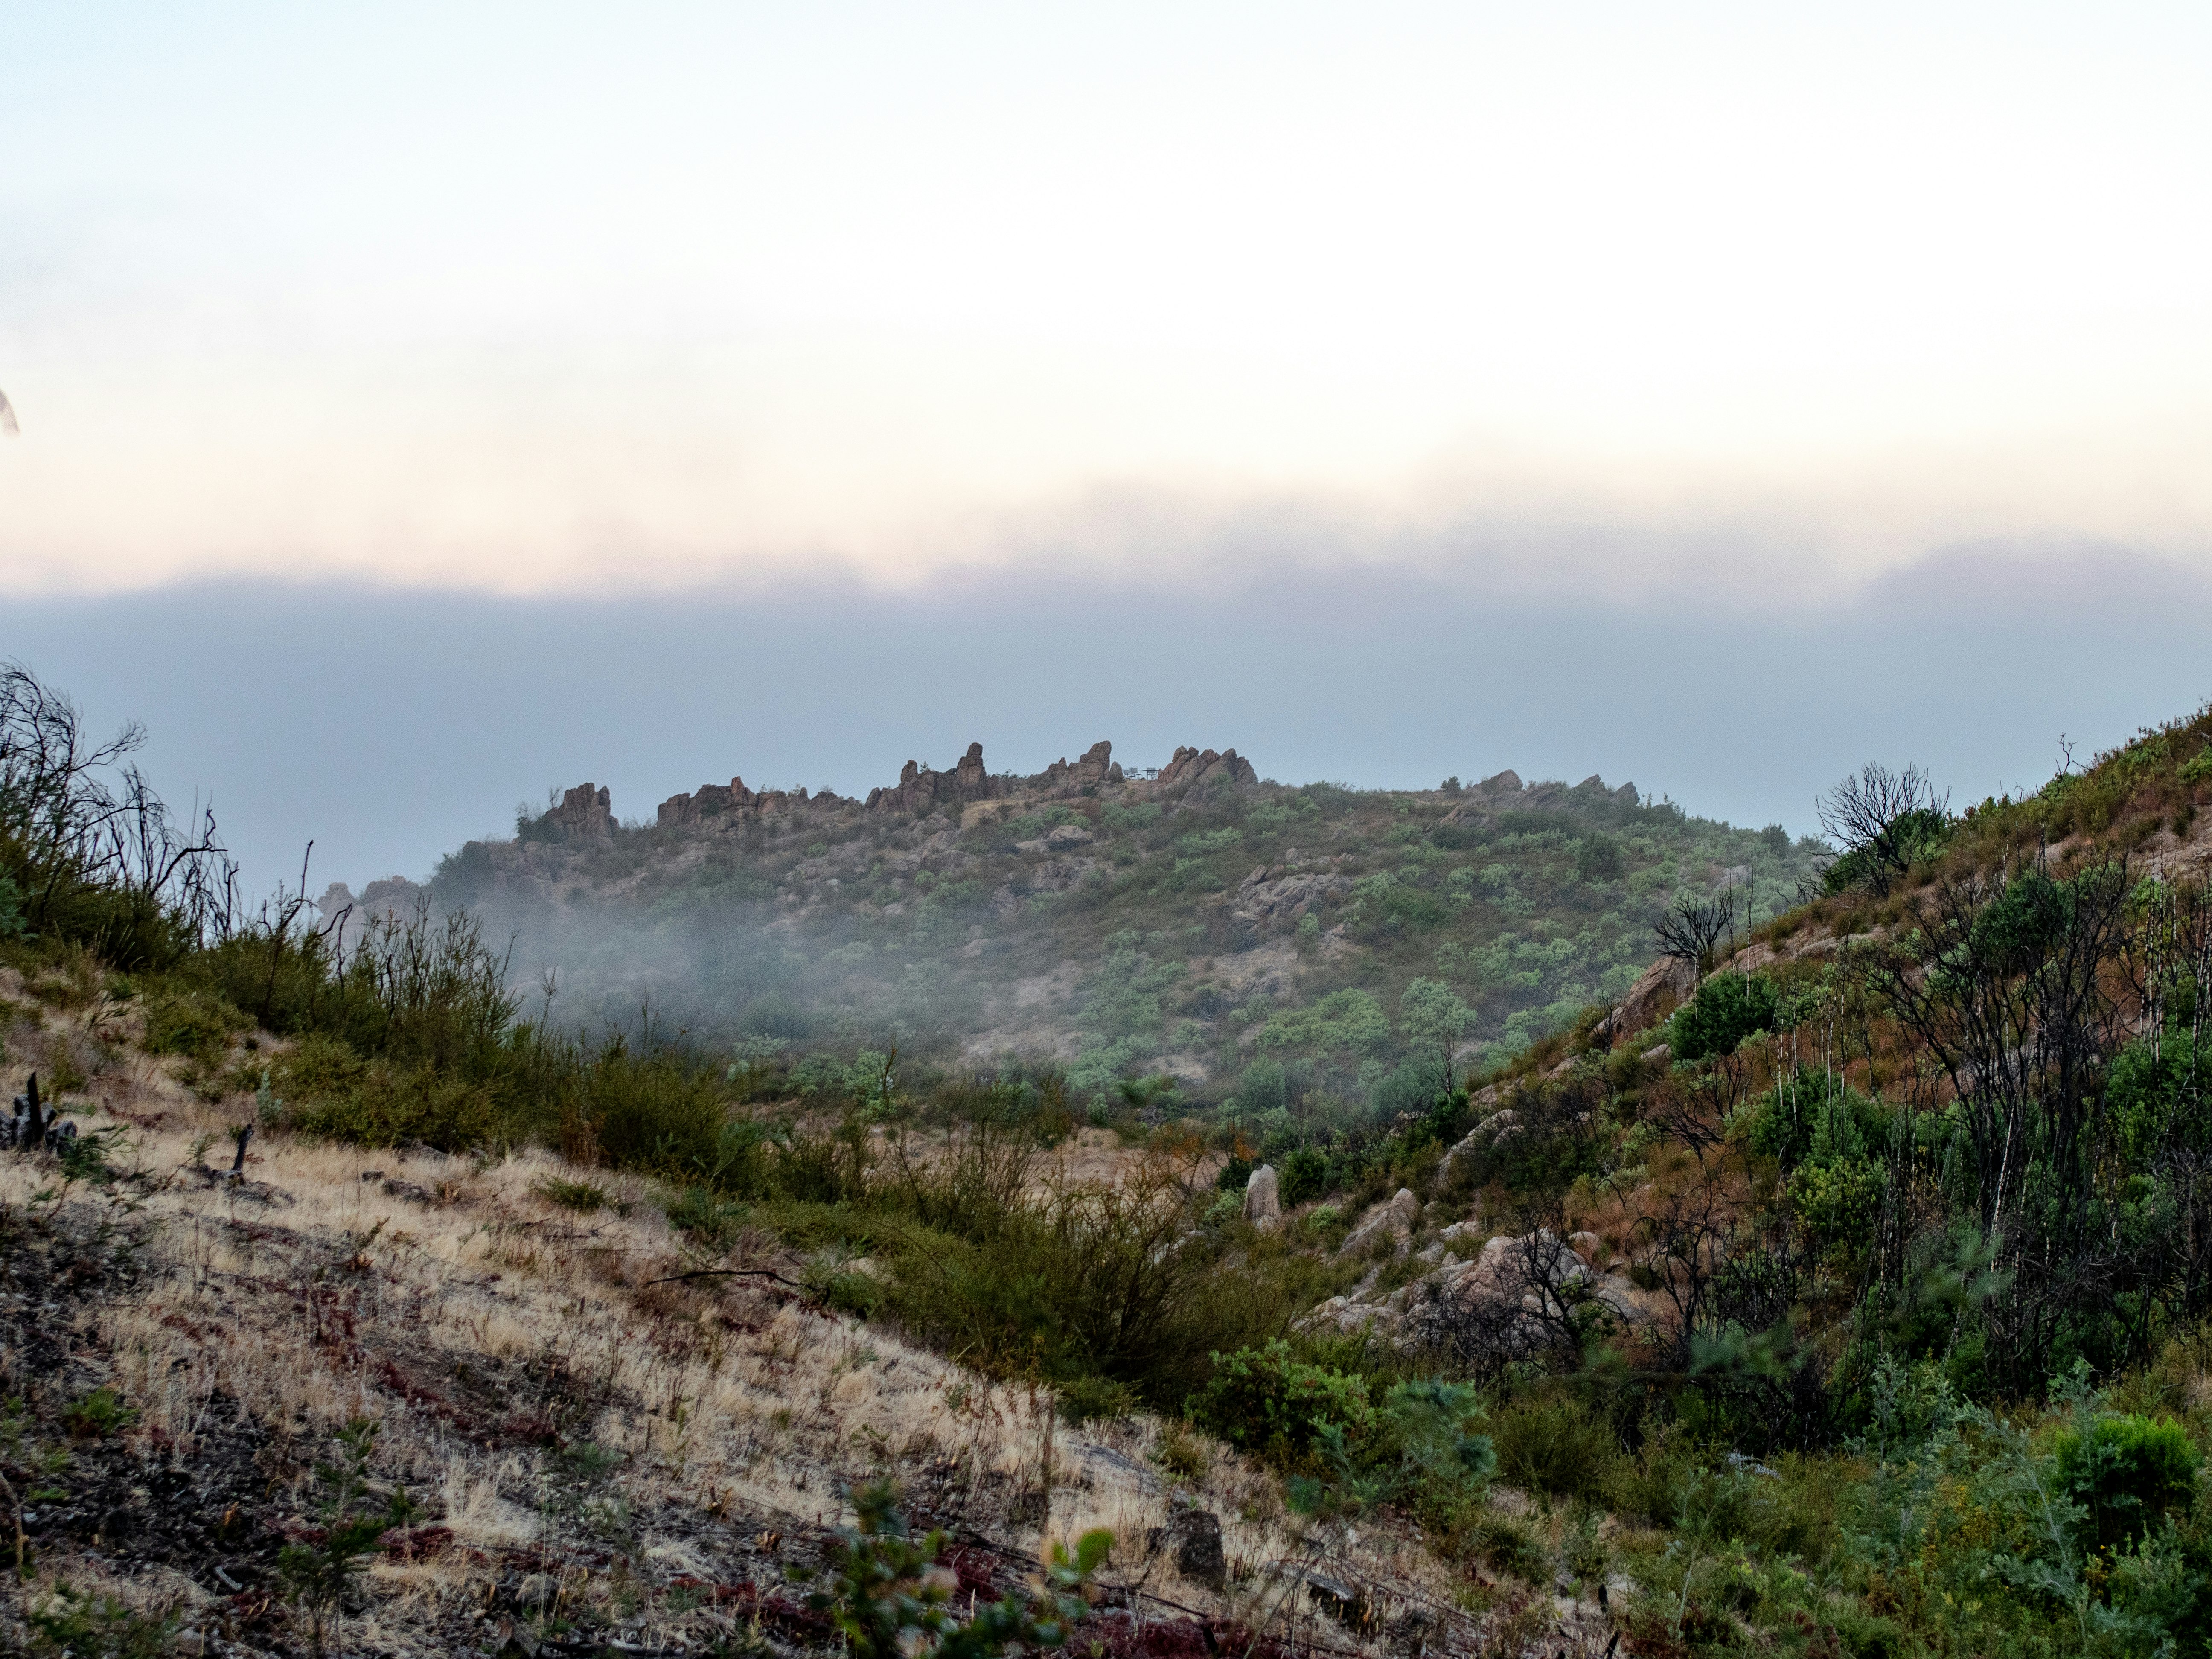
(1529,1299)
(1882,816)
(1688,931)
(76,814)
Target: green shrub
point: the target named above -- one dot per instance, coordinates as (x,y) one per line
(2130,1473)
(584,1197)
(1305,1175)
(98,1415)
(887,1599)
(1272,1404)
(197,1024)
(71,1624)
(388,1106)
(1095,1399)
(1727,1008)
(1553,1445)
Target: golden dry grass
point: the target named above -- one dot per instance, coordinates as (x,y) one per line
(477,1327)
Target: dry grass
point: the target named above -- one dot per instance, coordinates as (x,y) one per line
(486,1324)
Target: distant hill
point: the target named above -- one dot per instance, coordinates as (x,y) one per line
(1241,934)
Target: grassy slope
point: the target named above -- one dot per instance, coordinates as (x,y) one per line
(486,1327)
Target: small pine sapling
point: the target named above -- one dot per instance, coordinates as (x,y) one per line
(318,1574)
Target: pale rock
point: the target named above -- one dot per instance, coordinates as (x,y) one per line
(1263,1202)
(1394,1215)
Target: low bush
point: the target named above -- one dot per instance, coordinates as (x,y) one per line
(1727,1008)
(1273,1404)
(2129,1474)
(199,1025)
(1551,1445)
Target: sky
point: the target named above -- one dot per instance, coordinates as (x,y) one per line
(912,335)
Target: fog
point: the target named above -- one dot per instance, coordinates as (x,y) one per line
(388,728)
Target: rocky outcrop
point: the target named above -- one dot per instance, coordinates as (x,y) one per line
(1263,1202)
(586,813)
(1656,990)
(1514,1296)
(1504,792)
(395,898)
(921,789)
(1394,1217)
(1192,767)
(710,800)
(1266,896)
(1094,767)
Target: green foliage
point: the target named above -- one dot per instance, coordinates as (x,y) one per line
(1306,1175)
(200,1025)
(1598,858)
(887,1598)
(583,1197)
(2129,1474)
(98,1414)
(1278,1406)
(67,1624)
(1552,1444)
(1726,1009)
(318,1575)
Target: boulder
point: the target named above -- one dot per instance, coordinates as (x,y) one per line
(1192,767)
(1192,1538)
(1264,894)
(1393,1216)
(395,898)
(1263,1202)
(1664,983)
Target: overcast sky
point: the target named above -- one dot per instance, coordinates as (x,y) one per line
(1393,318)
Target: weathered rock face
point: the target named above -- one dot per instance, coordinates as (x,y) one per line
(395,898)
(1095,767)
(1263,1202)
(586,813)
(1668,980)
(1266,896)
(921,790)
(1192,767)
(710,800)
(1394,1217)
(1192,1539)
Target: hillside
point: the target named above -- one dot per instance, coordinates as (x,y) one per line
(1240,935)
(1843,1289)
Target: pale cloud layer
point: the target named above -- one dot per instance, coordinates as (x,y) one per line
(529,299)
